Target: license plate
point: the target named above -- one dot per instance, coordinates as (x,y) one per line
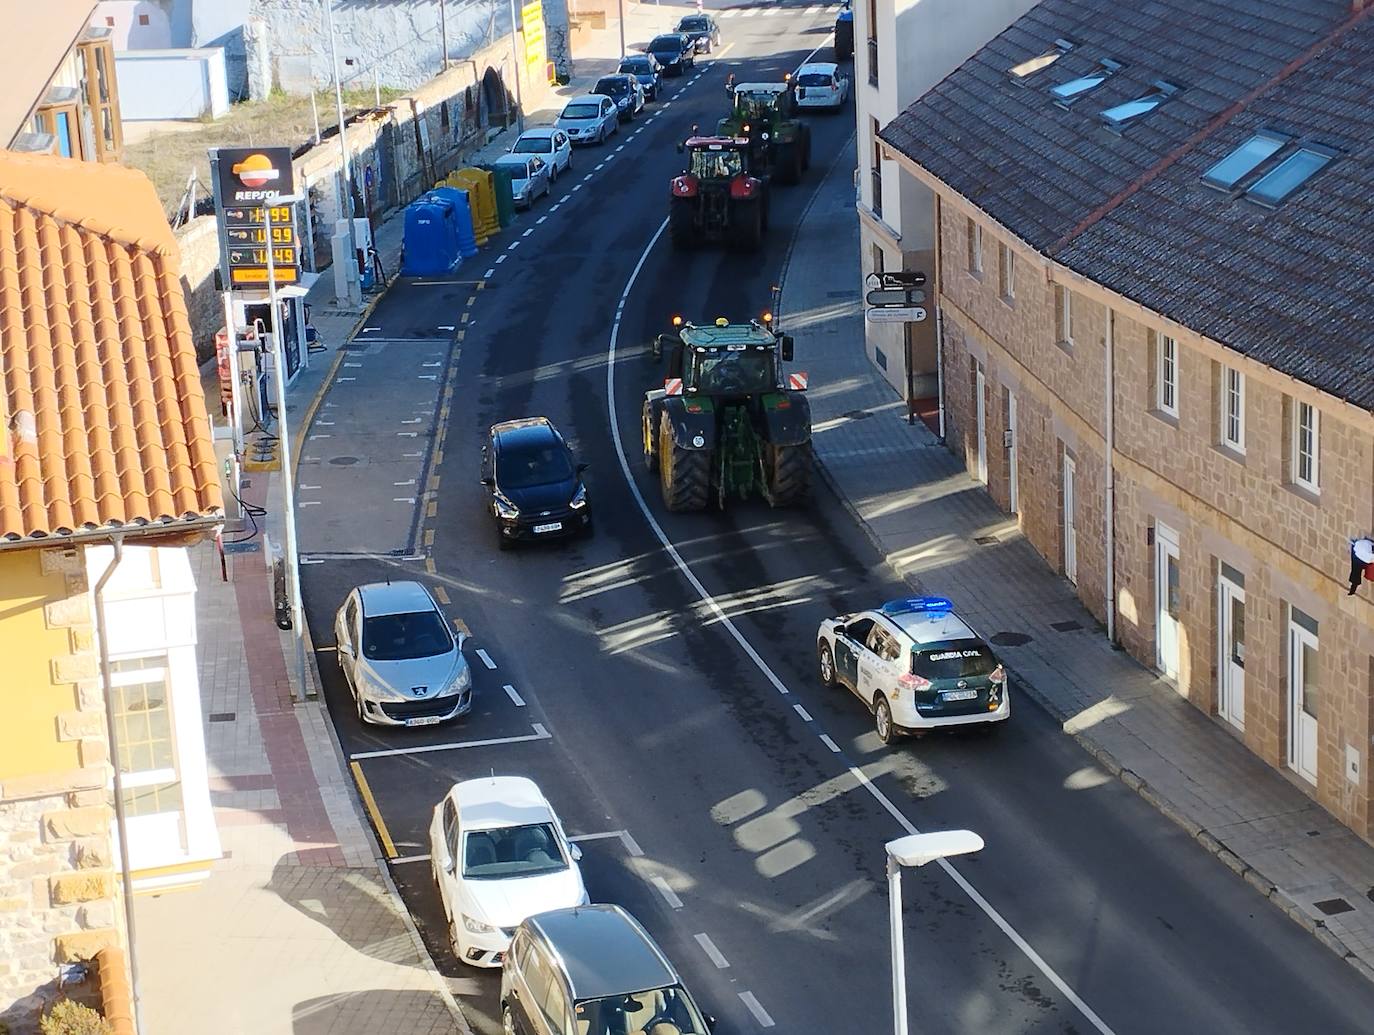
(423,720)
(959,695)
(552,526)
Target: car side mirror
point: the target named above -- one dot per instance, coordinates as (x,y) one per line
(575,852)
(787,348)
(489,482)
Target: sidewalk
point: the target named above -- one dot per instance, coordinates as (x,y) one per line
(927,515)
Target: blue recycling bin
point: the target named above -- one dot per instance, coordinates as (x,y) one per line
(462,207)
(431,240)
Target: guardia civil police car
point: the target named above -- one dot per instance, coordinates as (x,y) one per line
(916,664)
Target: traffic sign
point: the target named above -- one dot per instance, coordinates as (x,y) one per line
(895,314)
(903,278)
(896,296)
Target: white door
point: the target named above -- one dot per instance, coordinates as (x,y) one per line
(1168,606)
(1231,645)
(981,403)
(1302,701)
(1013,494)
(1070,532)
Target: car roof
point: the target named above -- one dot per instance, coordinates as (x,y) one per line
(394,598)
(824,67)
(543,132)
(500,801)
(667,36)
(927,619)
(521,160)
(615,75)
(604,951)
(525,430)
(596,97)
(638,59)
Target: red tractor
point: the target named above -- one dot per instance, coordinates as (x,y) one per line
(717,198)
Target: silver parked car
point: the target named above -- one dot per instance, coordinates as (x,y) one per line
(401,661)
(529,177)
(550,144)
(590,119)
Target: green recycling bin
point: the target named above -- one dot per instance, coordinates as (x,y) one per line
(505,199)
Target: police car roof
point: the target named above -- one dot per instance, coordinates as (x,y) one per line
(927,619)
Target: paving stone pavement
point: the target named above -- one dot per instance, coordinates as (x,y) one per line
(924,511)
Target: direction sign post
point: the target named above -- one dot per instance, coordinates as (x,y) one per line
(895,297)
(895,314)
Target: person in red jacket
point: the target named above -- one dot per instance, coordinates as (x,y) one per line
(1361,562)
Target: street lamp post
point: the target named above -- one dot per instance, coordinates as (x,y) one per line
(515,68)
(915,850)
(354,278)
(620,8)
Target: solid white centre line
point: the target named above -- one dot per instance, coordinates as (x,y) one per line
(756,1008)
(714,954)
(540,733)
(825,739)
(516,699)
(729,626)
(669,895)
(486,658)
(806,717)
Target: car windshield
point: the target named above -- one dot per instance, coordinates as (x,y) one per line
(613,87)
(668,43)
(813,79)
(966,659)
(537,464)
(640,1011)
(415,634)
(692,25)
(585,110)
(713,164)
(728,373)
(533,146)
(524,851)
(636,67)
(757,103)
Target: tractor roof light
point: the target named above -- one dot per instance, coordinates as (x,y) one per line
(767,316)
(677,321)
(722,322)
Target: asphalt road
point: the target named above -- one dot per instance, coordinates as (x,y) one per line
(743,825)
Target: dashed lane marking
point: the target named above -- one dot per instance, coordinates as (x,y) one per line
(512,246)
(528,232)
(540,733)
(825,739)
(669,895)
(500,259)
(515,698)
(554,208)
(712,953)
(486,658)
(806,716)
(756,1008)
(540,221)
(588,177)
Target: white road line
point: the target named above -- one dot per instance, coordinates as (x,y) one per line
(714,954)
(408,481)
(587,178)
(354,365)
(600,166)
(528,232)
(427,377)
(540,733)
(728,624)
(325,435)
(825,739)
(516,699)
(402,499)
(325,423)
(309,503)
(565,197)
(442,327)
(512,246)
(341,379)
(756,1008)
(552,208)
(539,221)
(620,148)
(578,187)
(806,716)
(408,434)
(631,845)
(669,895)
(308,488)
(311,560)
(501,258)
(490,273)
(486,658)
(409,859)
(436,363)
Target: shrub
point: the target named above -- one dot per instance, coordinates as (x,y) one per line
(69,1018)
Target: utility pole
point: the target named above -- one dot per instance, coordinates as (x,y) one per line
(443,36)
(620,8)
(354,278)
(515,57)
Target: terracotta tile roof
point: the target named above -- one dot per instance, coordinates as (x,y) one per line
(103,425)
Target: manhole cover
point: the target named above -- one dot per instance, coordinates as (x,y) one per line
(858,414)
(1334,906)
(1005,639)
(1065,627)
(343,461)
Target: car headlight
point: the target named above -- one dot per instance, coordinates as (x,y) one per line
(579,499)
(505,508)
(477,926)
(463,681)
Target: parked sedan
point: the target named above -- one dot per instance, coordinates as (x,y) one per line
(499,856)
(529,178)
(536,489)
(399,657)
(674,52)
(550,144)
(820,85)
(589,119)
(625,90)
(702,30)
(645,68)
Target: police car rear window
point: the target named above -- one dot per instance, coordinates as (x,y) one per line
(967,660)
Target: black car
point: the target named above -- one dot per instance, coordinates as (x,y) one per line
(536,489)
(624,89)
(674,52)
(702,31)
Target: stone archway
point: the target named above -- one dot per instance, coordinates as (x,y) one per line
(496,106)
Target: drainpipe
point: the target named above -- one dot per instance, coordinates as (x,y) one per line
(1110,517)
(940,365)
(121,827)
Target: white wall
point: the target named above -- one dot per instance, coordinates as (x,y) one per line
(171,84)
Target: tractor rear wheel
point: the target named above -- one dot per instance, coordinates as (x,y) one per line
(680,220)
(789,474)
(650,445)
(746,225)
(683,474)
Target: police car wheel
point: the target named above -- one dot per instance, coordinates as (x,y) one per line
(882,721)
(826,663)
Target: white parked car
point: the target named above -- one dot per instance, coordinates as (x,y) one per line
(529,177)
(916,664)
(499,856)
(549,143)
(819,84)
(589,119)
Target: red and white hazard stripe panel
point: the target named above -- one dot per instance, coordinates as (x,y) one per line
(797,381)
(672,385)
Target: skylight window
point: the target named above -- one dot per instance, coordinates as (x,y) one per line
(1244,160)
(1067,93)
(1049,57)
(1275,186)
(1120,114)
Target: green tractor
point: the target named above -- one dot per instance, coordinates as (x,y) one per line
(728,423)
(766,114)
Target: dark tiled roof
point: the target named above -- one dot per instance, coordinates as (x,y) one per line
(1289,286)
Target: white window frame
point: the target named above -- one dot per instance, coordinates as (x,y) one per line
(1312,480)
(975,247)
(1063,314)
(150,777)
(1232,409)
(1166,375)
(1006,271)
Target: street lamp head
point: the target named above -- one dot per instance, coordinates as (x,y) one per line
(919,849)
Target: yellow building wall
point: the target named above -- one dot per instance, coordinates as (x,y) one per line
(29,698)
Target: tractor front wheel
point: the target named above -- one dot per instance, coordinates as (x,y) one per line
(650,446)
(683,474)
(789,474)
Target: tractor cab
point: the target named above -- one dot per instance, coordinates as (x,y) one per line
(725,359)
(760,102)
(717,158)
(765,114)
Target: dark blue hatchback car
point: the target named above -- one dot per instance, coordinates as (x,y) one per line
(535,489)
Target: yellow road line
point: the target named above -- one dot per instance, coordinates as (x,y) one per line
(462,626)
(429,537)
(472,300)
(465,317)
(374,813)
(441,594)
(460,334)
(432,509)
(429,566)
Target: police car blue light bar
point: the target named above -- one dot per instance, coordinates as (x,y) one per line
(917,605)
